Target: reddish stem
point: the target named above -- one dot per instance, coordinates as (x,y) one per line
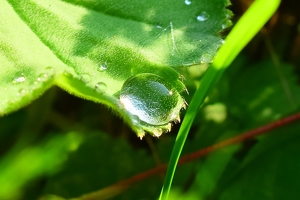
(124,184)
(242,137)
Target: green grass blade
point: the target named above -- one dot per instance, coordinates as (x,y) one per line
(250,23)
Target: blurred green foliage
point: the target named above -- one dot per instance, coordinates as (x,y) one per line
(67,147)
(91,48)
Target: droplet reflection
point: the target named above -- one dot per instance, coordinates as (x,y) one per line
(188,2)
(203,17)
(151,99)
(19,79)
(101,87)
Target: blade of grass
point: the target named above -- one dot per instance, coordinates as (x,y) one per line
(119,187)
(249,24)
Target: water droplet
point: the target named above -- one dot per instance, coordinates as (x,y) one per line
(101,87)
(135,120)
(69,71)
(19,79)
(158,26)
(151,99)
(206,58)
(22,92)
(226,24)
(187,2)
(103,67)
(203,17)
(50,71)
(42,77)
(85,78)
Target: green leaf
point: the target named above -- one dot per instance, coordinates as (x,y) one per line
(92,164)
(270,95)
(20,166)
(90,48)
(246,28)
(270,171)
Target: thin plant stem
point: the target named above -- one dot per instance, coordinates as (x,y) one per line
(122,185)
(249,24)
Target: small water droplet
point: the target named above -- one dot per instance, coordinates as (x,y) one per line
(100,87)
(85,78)
(50,71)
(103,67)
(203,17)
(69,71)
(42,77)
(206,58)
(187,2)
(22,92)
(135,120)
(158,26)
(151,99)
(34,87)
(19,79)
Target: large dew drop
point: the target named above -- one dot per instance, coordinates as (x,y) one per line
(151,99)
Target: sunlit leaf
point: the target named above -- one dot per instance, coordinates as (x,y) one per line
(90,48)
